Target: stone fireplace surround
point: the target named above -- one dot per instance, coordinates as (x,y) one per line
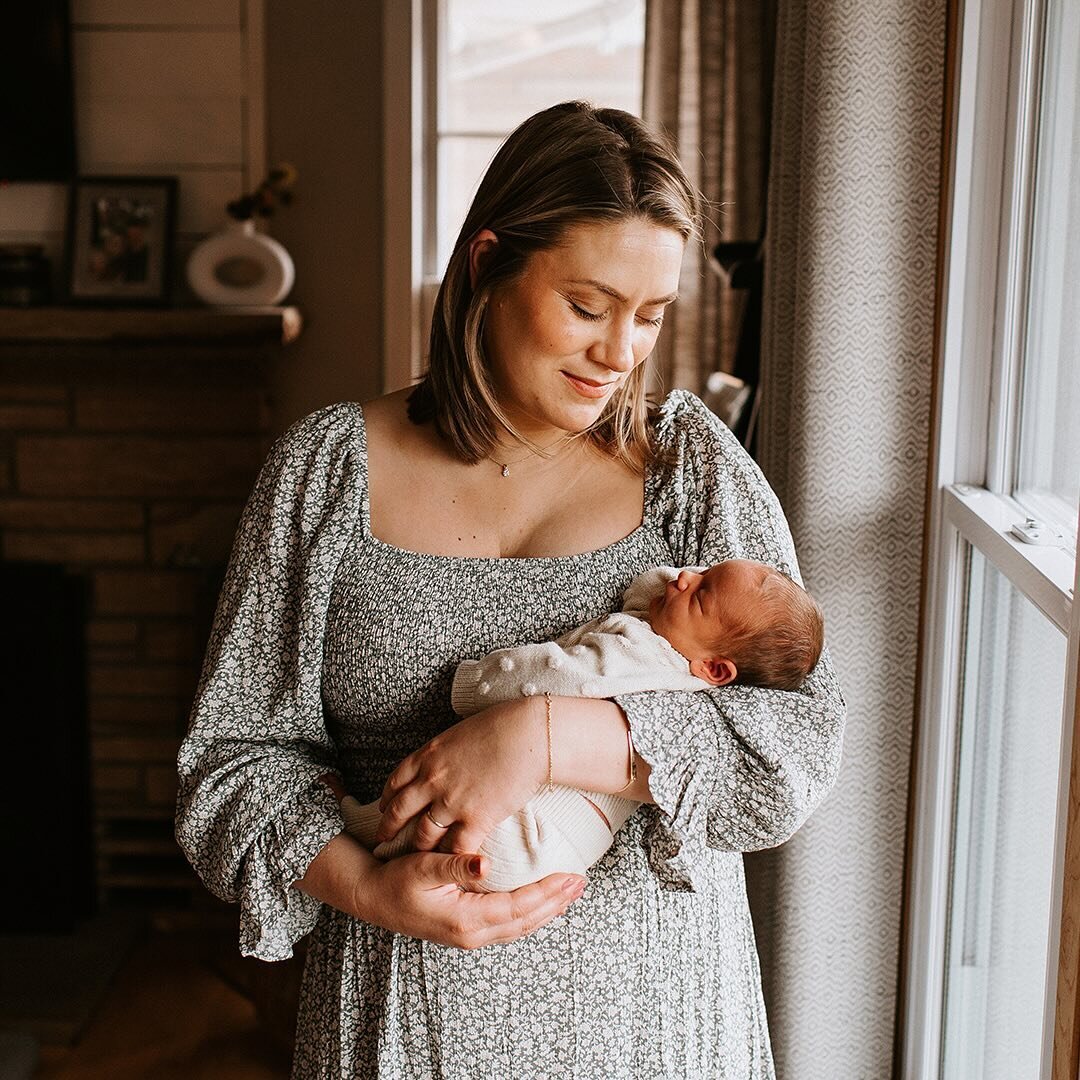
(128,443)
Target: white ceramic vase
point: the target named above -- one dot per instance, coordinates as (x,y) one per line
(240,266)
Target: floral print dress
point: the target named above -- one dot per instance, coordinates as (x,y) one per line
(334,651)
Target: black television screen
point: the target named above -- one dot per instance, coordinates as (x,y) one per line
(37,114)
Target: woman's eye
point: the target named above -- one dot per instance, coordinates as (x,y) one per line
(592,316)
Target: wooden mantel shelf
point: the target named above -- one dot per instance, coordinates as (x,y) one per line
(150,326)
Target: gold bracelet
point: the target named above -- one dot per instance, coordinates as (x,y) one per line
(547,709)
(633,761)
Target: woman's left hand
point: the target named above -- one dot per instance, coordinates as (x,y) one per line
(470,777)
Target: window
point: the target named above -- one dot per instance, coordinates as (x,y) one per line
(1002,866)
(467,73)
(499,61)
(1049,454)
(999,651)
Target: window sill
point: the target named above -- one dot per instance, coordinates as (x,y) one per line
(1043,573)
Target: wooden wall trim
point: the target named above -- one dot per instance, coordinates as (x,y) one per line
(1066,1060)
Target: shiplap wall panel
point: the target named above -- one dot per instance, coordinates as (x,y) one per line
(30,208)
(158,64)
(203,195)
(171,87)
(129,132)
(157,12)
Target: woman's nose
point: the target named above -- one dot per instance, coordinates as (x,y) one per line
(617,347)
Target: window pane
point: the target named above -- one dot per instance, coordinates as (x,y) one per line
(503,60)
(462,161)
(506,59)
(1050,434)
(1003,841)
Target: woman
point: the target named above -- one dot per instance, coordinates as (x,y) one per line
(510,496)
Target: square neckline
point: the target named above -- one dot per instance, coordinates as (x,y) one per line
(649,484)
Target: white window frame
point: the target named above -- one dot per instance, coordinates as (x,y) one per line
(412,31)
(413,35)
(985,270)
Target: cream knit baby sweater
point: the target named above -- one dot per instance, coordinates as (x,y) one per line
(557,830)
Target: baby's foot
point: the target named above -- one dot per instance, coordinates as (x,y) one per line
(362,822)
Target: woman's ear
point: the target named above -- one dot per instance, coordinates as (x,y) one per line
(719,672)
(481,248)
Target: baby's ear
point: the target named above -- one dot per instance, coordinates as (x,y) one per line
(719,672)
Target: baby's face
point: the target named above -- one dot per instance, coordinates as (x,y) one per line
(694,609)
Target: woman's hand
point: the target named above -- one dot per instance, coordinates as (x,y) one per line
(422,896)
(469,778)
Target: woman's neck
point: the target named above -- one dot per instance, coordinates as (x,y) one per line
(537,457)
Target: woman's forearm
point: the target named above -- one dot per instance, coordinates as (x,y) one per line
(468,778)
(336,874)
(589,748)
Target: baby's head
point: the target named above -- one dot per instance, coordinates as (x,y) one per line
(741,620)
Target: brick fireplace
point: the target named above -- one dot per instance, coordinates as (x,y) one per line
(128,443)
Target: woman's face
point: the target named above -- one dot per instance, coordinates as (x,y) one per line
(567,332)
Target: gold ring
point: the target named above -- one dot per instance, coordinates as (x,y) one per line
(437,824)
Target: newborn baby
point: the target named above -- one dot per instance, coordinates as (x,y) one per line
(678,630)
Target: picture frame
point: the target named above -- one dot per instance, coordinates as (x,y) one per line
(120,240)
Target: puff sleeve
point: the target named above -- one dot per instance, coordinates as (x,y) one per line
(734,768)
(251,812)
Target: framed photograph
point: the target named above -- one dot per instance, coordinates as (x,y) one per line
(120,234)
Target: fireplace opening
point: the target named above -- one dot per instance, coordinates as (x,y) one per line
(46,812)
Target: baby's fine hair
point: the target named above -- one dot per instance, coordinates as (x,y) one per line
(781,637)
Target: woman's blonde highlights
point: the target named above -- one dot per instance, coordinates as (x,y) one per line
(569,165)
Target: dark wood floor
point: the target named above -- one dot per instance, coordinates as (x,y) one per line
(173,1012)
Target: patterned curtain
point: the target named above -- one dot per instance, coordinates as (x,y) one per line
(848,340)
(708,79)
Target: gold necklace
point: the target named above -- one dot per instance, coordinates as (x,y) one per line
(505,465)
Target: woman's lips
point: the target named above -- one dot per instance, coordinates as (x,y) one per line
(586,387)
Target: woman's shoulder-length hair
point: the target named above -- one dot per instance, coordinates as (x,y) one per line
(568,165)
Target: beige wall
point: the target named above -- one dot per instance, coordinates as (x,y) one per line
(210,91)
(324,106)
